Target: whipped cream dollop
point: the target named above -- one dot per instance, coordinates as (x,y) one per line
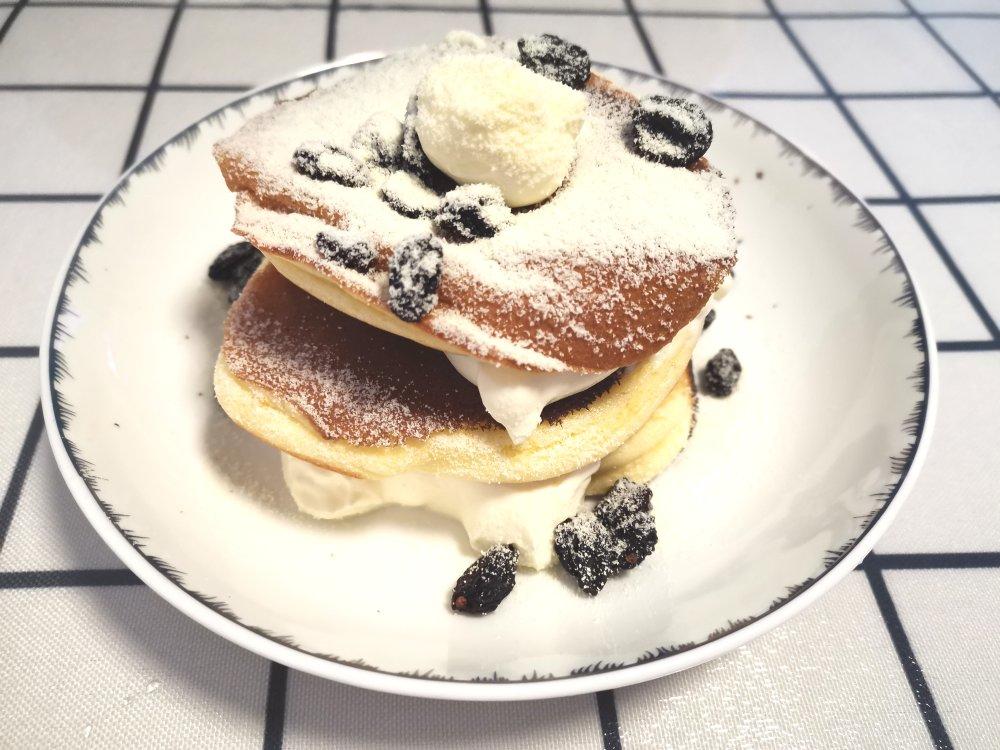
(486,118)
(515,398)
(520,514)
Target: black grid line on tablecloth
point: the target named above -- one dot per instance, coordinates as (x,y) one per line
(147,101)
(914,674)
(897,185)
(605,700)
(333,9)
(274,710)
(607,712)
(211,88)
(905,12)
(969,71)
(12,496)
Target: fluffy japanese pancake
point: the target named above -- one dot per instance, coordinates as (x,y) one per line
(352,398)
(601,275)
(653,448)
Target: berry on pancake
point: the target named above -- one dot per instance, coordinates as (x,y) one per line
(346,250)
(674,132)
(414,276)
(555,58)
(472,211)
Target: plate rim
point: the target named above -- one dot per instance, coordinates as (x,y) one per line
(594,678)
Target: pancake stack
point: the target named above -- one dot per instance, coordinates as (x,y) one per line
(413,337)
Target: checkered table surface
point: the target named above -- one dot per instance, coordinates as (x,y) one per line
(899,97)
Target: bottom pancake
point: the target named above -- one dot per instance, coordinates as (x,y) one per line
(348,397)
(654,447)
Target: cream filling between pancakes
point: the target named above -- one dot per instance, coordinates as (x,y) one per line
(515,398)
(520,514)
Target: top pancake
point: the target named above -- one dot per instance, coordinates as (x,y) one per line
(624,255)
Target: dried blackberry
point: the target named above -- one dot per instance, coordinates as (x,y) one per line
(414,276)
(226,263)
(721,374)
(624,499)
(408,195)
(470,212)
(625,511)
(234,266)
(379,140)
(346,250)
(413,158)
(637,533)
(235,288)
(306,158)
(709,319)
(324,161)
(487,581)
(587,550)
(555,58)
(674,132)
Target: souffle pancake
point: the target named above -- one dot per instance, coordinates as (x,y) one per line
(472,278)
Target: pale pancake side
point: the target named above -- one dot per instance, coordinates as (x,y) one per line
(654,447)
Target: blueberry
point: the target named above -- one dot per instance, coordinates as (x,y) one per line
(414,276)
(346,250)
(413,158)
(324,161)
(409,196)
(674,132)
(721,374)
(587,550)
(379,140)
(470,212)
(486,582)
(555,58)
(234,266)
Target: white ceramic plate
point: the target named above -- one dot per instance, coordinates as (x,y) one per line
(783,489)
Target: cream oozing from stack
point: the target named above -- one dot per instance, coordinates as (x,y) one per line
(521,514)
(515,398)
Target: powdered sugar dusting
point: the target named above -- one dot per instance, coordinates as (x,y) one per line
(409,196)
(486,344)
(654,144)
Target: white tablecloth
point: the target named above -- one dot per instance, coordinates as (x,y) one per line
(899,97)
